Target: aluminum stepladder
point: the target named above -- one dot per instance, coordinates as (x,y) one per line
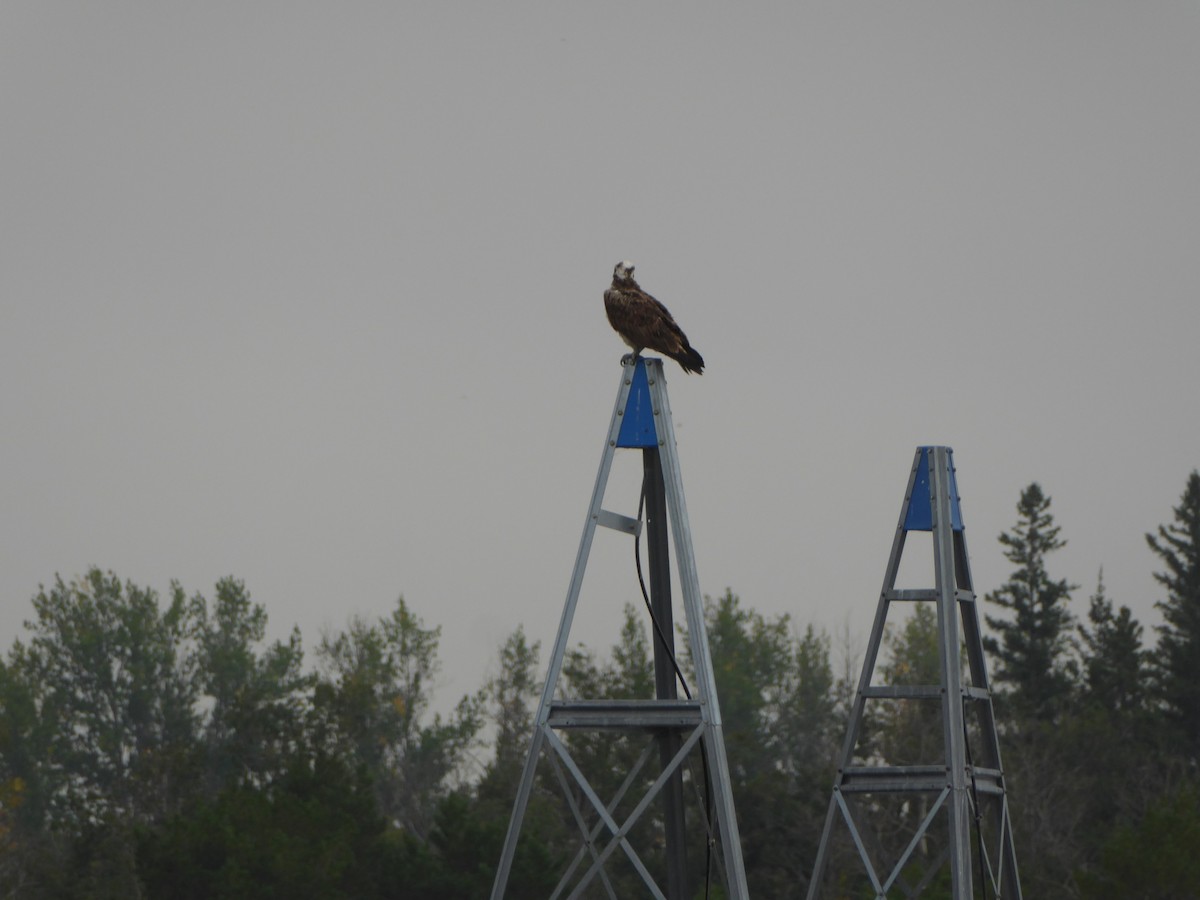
(641,419)
(964,790)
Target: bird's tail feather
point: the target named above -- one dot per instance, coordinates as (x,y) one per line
(689,360)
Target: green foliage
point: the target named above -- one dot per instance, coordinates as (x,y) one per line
(256,694)
(24,738)
(750,659)
(627,674)
(781,727)
(105,676)
(537,861)
(315,832)
(910,731)
(97,863)
(163,747)
(513,694)
(1154,858)
(370,702)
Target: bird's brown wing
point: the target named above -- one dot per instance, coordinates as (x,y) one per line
(644,323)
(659,326)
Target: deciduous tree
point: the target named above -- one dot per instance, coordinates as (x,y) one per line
(372,700)
(113,694)
(256,691)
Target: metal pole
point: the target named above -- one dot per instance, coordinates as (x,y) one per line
(948,647)
(665,685)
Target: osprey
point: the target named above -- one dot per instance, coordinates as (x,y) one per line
(644,324)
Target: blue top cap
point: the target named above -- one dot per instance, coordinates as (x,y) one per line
(920,512)
(637,423)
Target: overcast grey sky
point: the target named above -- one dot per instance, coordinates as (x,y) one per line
(310,294)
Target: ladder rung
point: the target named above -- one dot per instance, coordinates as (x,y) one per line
(910,595)
(648,714)
(885,779)
(903,691)
(897,779)
(914,594)
(918,692)
(618,522)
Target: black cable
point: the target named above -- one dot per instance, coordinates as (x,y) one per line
(708,805)
(662,638)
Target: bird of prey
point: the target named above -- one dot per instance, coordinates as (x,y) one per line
(644,324)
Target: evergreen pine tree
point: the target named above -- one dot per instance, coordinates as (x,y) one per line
(1178,657)
(1031,653)
(1113,660)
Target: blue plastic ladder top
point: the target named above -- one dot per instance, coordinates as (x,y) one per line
(920,514)
(637,422)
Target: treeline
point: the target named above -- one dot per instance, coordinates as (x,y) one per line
(161,747)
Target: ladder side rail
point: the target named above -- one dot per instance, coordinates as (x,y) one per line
(858,707)
(518,814)
(554,669)
(818,869)
(1008,855)
(875,641)
(990,755)
(952,704)
(685,560)
(585,547)
(977,666)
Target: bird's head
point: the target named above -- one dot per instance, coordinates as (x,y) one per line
(623,271)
